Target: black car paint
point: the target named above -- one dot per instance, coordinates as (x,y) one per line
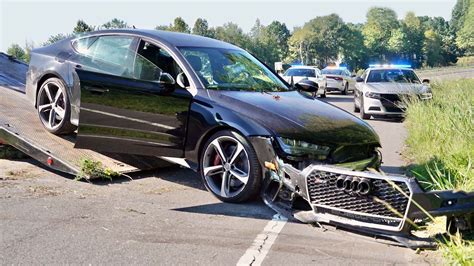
(250,113)
(259,116)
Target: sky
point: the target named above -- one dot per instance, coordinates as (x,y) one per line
(35,21)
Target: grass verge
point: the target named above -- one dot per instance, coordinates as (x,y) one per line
(440,144)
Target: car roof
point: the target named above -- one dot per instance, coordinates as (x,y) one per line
(389,68)
(171,38)
(335,68)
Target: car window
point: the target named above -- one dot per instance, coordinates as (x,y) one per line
(393,75)
(109,54)
(328,71)
(300,72)
(152,62)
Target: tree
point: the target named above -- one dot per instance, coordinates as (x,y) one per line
(465,36)
(450,50)
(16,51)
(232,33)
(432,48)
(459,14)
(281,35)
(28,47)
(179,25)
(55,38)
(115,24)
(299,46)
(413,39)
(201,27)
(322,38)
(82,27)
(353,51)
(381,22)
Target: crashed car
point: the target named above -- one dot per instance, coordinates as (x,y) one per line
(213,107)
(382,89)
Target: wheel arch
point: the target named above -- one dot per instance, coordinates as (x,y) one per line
(212,131)
(47,75)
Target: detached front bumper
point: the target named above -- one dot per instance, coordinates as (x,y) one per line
(384,205)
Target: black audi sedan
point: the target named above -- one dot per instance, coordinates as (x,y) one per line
(192,100)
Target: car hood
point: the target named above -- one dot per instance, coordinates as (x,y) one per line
(397,88)
(294,115)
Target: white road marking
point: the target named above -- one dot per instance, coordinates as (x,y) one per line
(263,242)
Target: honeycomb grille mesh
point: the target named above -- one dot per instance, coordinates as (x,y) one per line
(391,202)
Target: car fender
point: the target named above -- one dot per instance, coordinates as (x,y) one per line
(206,118)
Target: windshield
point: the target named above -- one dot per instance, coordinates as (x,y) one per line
(229,69)
(300,72)
(332,71)
(393,75)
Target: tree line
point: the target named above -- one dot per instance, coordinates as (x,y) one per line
(383,38)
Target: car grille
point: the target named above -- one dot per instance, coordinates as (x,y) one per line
(391,102)
(384,200)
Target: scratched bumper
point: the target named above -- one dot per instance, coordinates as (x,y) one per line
(391,208)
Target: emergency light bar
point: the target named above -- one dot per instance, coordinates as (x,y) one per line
(390,66)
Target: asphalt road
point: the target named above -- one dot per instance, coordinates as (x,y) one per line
(167,217)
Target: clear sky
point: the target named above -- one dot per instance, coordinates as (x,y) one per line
(23,20)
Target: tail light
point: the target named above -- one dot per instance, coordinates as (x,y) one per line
(335,78)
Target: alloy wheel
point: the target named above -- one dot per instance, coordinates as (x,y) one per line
(226,167)
(51,105)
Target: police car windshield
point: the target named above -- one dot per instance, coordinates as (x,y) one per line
(332,71)
(393,75)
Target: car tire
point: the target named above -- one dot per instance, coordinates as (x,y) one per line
(324,94)
(54,108)
(346,89)
(356,108)
(363,115)
(236,178)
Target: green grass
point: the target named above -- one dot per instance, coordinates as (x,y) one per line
(465,61)
(91,169)
(440,145)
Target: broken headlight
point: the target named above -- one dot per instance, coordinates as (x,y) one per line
(301,148)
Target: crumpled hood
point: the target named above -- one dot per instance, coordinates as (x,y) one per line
(293,115)
(397,88)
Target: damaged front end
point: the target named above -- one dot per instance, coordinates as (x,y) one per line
(348,196)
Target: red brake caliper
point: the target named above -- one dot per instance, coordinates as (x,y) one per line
(217,160)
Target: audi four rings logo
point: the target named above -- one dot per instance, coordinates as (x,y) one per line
(361,186)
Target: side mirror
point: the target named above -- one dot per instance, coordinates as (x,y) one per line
(353,75)
(167,79)
(427,81)
(308,86)
(359,79)
(182,80)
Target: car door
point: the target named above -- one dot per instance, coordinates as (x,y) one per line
(130,102)
(350,79)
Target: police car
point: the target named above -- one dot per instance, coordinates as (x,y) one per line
(380,90)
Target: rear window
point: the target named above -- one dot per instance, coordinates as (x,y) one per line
(300,72)
(332,72)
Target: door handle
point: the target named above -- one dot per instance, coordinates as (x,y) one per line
(78,66)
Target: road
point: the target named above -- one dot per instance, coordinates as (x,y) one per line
(166,216)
